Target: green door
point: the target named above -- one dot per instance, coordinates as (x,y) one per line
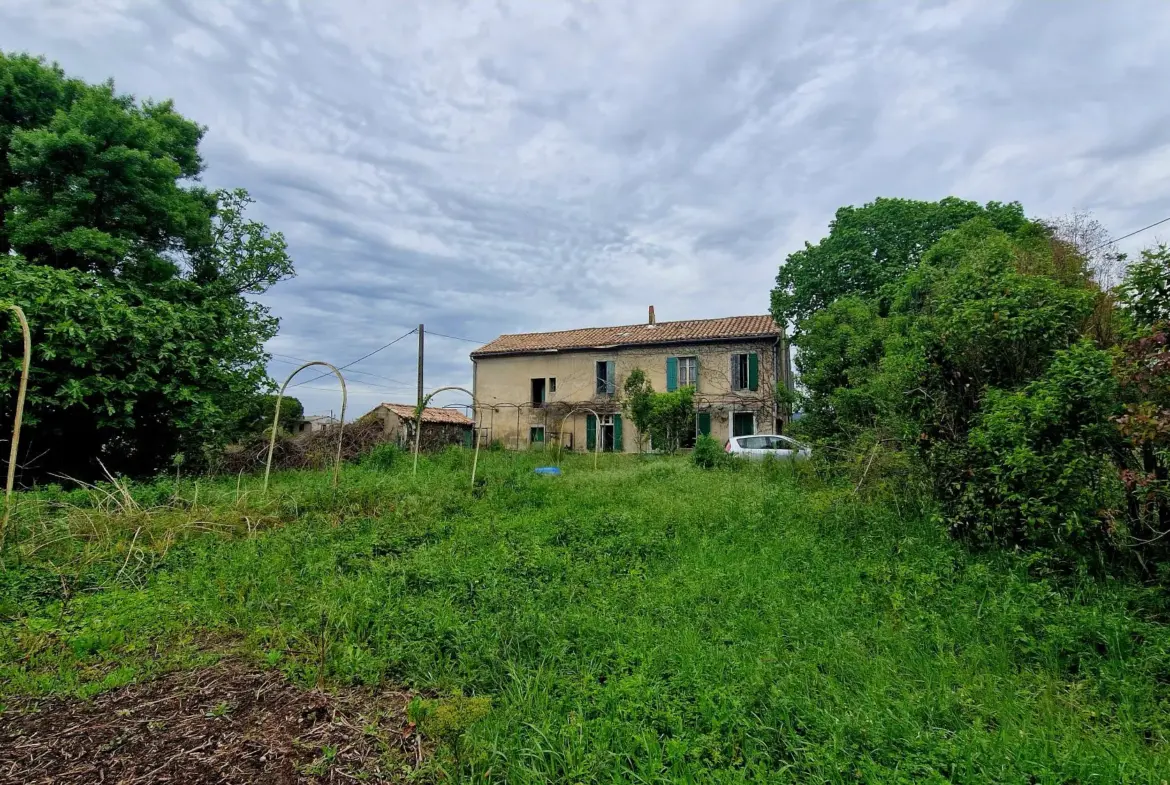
(590,433)
(617,433)
(705,423)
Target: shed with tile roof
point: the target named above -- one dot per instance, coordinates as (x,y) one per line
(440,426)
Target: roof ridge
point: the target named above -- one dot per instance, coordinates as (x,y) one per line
(442,412)
(639,324)
(681,331)
(415,406)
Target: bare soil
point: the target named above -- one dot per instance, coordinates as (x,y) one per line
(228,723)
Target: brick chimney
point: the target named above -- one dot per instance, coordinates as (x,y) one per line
(652,320)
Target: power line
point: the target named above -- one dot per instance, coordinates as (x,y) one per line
(394,389)
(300,360)
(456,337)
(379,393)
(363,357)
(1131,234)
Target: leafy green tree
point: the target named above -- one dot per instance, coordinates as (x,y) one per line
(1145,291)
(99,186)
(840,351)
(256,417)
(637,403)
(664,417)
(1143,371)
(242,256)
(871,246)
(133,277)
(672,415)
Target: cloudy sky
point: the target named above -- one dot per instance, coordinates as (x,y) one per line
(517,165)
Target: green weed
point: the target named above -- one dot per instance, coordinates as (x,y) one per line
(646,622)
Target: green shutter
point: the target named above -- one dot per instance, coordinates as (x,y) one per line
(617,433)
(705,423)
(610,378)
(590,433)
(671,374)
(753,371)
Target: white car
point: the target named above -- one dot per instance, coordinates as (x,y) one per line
(767,445)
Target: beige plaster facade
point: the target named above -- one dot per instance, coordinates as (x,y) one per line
(509,410)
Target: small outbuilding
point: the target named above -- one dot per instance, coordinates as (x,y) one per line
(440,427)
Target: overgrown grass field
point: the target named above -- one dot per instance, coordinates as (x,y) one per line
(644,622)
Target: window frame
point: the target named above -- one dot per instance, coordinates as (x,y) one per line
(692,361)
(532,387)
(604,386)
(532,431)
(739,371)
(731,424)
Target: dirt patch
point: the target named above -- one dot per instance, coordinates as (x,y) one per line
(229,723)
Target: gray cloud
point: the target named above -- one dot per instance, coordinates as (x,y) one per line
(530,164)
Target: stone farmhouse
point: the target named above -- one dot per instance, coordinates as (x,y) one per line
(530,386)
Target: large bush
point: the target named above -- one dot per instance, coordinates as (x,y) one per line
(987,357)
(1040,458)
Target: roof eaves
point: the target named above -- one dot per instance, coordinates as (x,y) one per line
(606,347)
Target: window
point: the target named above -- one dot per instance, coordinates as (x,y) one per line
(606,383)
(538,392)
(682,372)
(783,443)
(738,371)
(552,384)
(743,424)
(536,434)
(745,371)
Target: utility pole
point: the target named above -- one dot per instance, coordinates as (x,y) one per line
(420,366)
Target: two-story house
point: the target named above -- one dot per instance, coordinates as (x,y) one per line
(530,386)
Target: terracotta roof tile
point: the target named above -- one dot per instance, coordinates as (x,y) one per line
(430,414)
(633,335)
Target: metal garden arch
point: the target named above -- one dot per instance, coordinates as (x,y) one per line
(596,440)
(418,426)
(276,420)
(19,417)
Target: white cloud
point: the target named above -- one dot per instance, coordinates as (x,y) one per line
(541,164)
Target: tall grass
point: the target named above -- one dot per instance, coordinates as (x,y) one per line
(645,622)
